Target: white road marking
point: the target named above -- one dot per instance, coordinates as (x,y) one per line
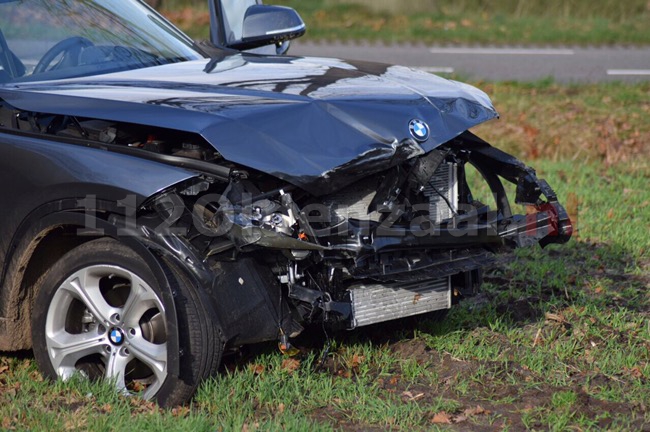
(628,71)
(434,69)
(502,51)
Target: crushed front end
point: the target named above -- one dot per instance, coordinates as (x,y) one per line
(402,242)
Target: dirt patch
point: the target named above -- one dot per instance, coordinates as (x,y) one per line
(496,399)
(506,391)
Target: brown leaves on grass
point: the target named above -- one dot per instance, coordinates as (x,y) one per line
(477,410)
(559,122)
(553,317)
(7,423)
(257,369)
(634,372)
(290,365)
(181,411)
(250,427)
(357,360)
(11,391)
(106,409)
(141,406)
(444,417)
(347,364)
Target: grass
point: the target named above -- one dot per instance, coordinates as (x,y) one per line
(559,339)
(580,22)
(601,123)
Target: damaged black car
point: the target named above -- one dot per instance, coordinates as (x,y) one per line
(165,201)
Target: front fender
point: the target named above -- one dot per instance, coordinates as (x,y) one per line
(17,295)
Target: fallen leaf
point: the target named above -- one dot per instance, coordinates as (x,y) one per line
(290,365)
(181,411)
(257,369)
(357,360)
(281,408)
(635,372)
(36,376)
(459,418)
(555,317)
(137,386)
(441,418)
(477,410)
(142,406)
(344,373)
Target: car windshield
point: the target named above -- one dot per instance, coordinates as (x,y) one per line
(45,39)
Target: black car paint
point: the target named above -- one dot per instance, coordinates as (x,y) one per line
(72,175)
(319,124)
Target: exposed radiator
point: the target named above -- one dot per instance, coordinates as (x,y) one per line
(445,181)
(374,303)
(353,202)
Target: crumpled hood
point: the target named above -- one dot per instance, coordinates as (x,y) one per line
(317,123)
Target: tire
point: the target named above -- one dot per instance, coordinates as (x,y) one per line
(90,319)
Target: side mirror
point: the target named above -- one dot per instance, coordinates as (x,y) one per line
(266,25)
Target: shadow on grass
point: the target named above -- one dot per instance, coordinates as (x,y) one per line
(519,291)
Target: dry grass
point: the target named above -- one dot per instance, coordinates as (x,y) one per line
(604,123)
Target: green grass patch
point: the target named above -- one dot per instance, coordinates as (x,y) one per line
(447,21)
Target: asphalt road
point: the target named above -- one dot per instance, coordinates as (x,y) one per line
(568,64)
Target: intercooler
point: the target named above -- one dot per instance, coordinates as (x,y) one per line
(374,303)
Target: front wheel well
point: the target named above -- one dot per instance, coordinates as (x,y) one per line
(49,250)
(29,262)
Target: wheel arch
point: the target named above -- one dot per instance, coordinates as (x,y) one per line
(45,240)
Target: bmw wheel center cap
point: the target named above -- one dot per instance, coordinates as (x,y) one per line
(419,130)
(116,336)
